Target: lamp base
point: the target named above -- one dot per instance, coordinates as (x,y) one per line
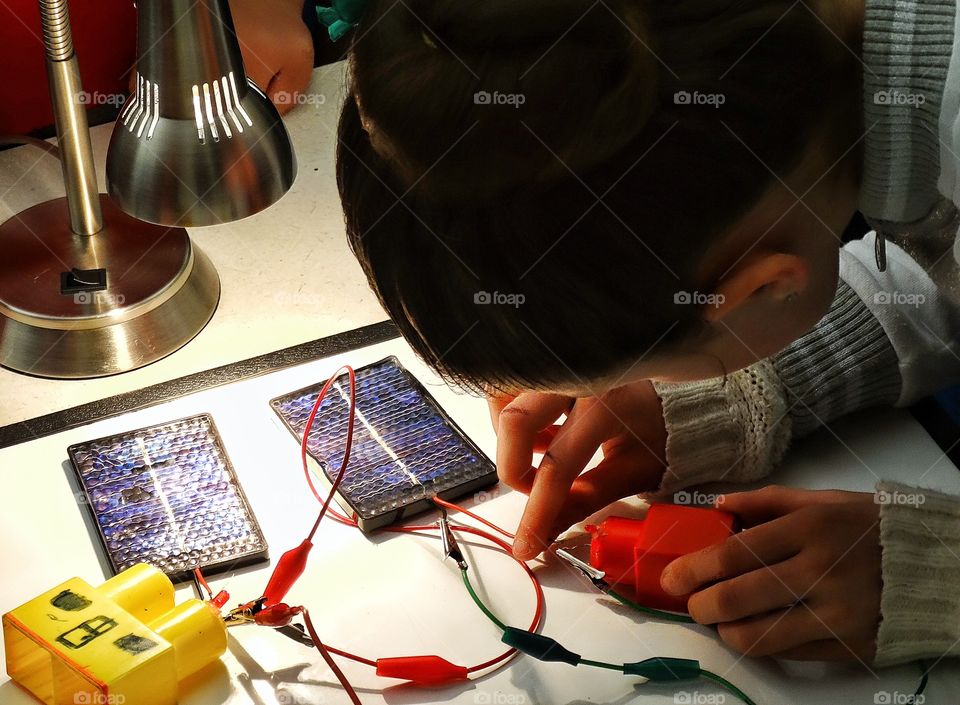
(74,306)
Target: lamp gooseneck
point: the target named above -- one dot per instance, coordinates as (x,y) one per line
(73,134)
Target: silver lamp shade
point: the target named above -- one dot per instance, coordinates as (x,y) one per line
(197,143)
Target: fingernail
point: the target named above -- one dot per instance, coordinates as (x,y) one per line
(520,549)
(668,581)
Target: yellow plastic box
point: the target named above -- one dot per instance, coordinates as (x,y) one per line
(124,643)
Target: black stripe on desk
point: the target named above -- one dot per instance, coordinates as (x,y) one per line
(165,391)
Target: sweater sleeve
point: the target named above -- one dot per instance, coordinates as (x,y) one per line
(909,108)
(889,337)
(737,430)
(920,565)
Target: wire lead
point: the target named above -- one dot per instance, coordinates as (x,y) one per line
(451,549)
(588,570)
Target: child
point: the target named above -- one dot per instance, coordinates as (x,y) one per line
(628,212)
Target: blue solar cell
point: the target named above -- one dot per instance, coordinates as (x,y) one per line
(167,495)
(405,449)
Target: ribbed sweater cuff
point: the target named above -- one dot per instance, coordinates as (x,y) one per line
(907,45)
(733,431)
(920,602)
(844,364)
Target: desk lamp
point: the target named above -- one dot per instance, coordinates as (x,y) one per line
(91,284)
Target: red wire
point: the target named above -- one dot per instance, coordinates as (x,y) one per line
(411,529)
(203,581)
(346,450)
(352,657)
(490,524)
(538,589)
(354,698)
(347,686)
(538,613)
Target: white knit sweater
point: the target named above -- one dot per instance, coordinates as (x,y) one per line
(876,345)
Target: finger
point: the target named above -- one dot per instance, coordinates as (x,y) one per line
(774,632)
(832,650)
(293,76)
(760,546)
(545,438)
(586,427)
(519,423)
(612,479)
(495,404)
(259,69)
(759,506)
(749,595)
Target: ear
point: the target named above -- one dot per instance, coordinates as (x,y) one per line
(761,272)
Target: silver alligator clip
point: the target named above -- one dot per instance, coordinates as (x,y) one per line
(451,549)
(588,570)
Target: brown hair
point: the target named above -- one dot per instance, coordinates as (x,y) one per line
(572,158)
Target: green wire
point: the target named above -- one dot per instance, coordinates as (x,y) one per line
(659,614)
(723,682)
(720,680)
(476,598)
(602,664)
(708,675)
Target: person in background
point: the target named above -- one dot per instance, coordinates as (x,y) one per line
(276,44)
(627,214)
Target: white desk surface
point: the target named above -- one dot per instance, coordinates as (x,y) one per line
(287,275)
(393,596)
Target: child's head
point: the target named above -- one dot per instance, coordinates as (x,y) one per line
(556,193)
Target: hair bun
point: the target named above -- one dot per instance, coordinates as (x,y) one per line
(478,98)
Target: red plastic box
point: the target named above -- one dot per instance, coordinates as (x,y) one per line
(635,551)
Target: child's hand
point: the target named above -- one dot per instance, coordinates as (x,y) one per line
(803,582)
(627,423)
(277,47)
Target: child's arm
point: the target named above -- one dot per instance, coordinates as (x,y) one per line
(920,603)
(830,575)
(277,47)
(860,355)
(864,353)
(740,430)
(888,339)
